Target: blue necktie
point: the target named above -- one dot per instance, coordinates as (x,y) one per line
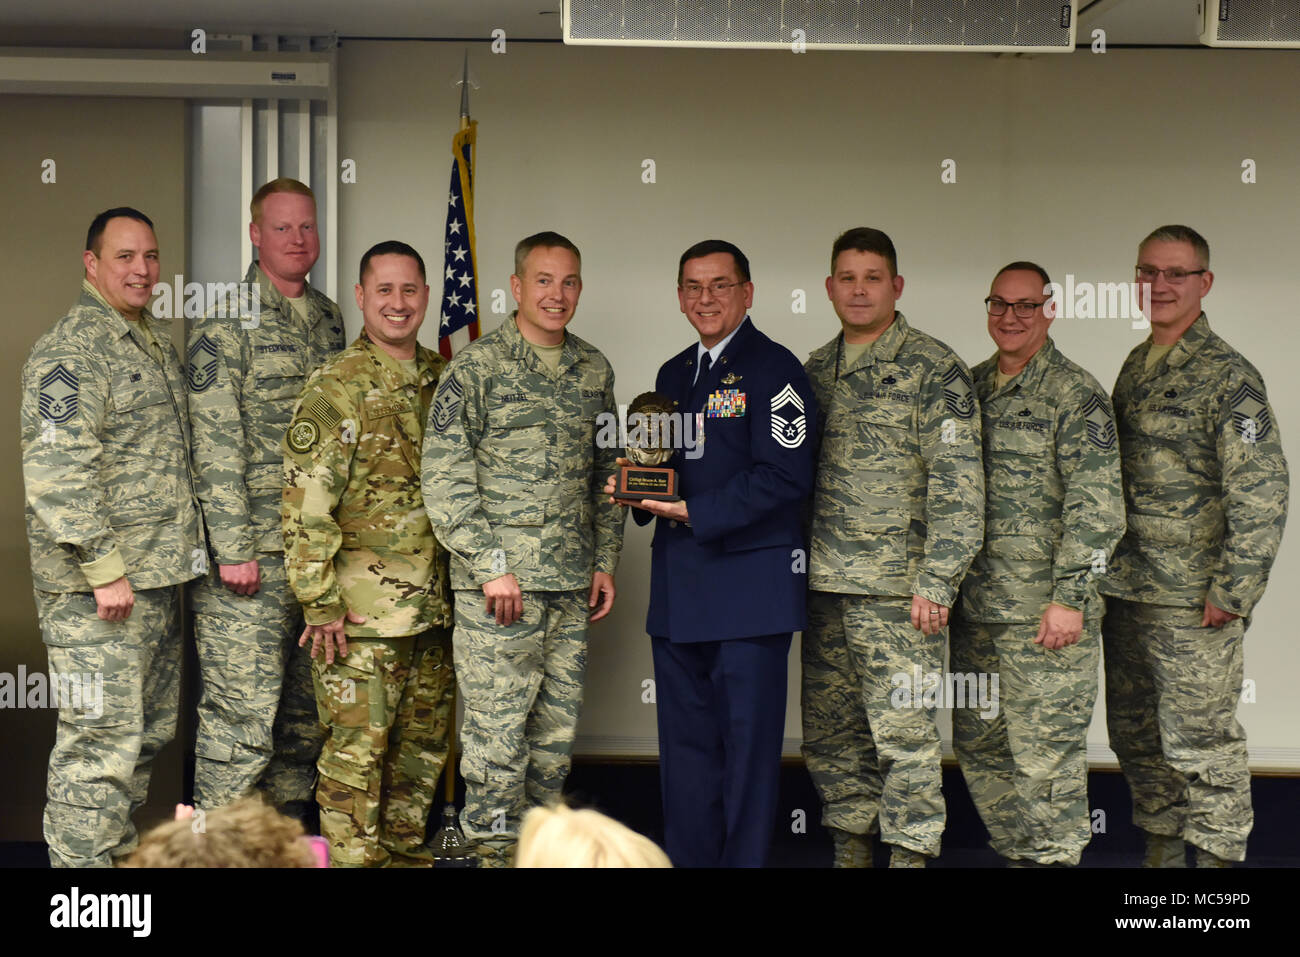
(701,387)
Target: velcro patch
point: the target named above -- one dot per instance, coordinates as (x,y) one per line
(446,403)
(303,435)
(322,409)
(958,394)
(60,391)
(379,408)
(203,364)
(1250,413)
(1101,426)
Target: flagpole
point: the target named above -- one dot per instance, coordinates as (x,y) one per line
(449,770)
(464,94)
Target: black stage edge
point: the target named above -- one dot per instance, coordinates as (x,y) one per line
(628,790)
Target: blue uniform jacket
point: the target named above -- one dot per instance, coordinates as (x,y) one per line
(739,569)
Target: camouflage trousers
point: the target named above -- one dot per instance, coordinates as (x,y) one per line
(102,757)
(1026,764)
(1172,689)
(873,764)
(387,706)
(258,724)
(522,687)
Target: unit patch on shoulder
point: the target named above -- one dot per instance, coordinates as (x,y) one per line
(203,364)
(1250,413)
(1101,427)
(958,394)
(446,403)
(60,389)
(303,435)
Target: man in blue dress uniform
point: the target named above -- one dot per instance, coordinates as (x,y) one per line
(729,571)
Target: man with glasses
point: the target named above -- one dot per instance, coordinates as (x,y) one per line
(1030,612)
(728,572)
(1206,486)
(898,514)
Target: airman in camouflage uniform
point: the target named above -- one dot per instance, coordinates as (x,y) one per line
(1029,612)
(897,516)
(513,481)
(372,580)
(113,528)
(248,360)
(1206,486)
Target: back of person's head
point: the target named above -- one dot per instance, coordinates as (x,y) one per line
(247,833)
(560,836)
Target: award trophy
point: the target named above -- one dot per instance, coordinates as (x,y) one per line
(651,422)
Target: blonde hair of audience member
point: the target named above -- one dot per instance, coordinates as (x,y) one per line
(247,833)
(560,836)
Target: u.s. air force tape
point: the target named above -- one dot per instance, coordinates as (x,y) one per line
(303,435)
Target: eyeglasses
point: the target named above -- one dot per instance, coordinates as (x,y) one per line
(718,289)
(1023,310)
(1174,275)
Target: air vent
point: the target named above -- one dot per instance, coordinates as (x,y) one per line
(932,25)
(1251,23)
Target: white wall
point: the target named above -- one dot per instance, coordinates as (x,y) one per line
(1066,160)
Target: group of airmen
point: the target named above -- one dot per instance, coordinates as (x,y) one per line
(366,528)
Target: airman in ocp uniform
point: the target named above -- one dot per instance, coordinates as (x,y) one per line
(113,526)
(248,360)
(1029,611)
(372,579)
(1206,488)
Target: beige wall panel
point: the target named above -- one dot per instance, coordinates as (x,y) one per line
(107,152)
(1065,159)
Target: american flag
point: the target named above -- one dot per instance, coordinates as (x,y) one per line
(458,325)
